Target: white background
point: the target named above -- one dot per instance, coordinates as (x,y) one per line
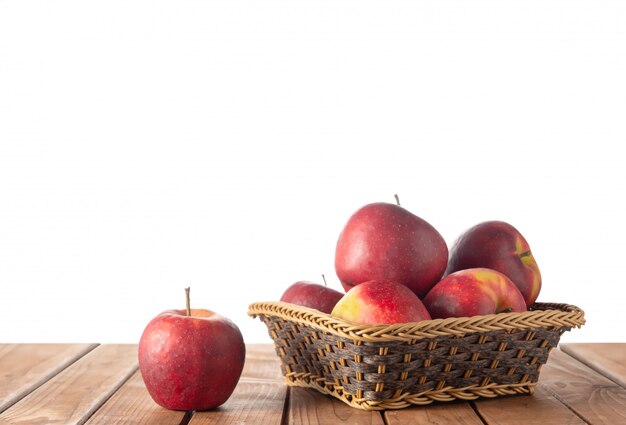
(150,145)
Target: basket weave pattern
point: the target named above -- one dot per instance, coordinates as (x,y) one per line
(395,366)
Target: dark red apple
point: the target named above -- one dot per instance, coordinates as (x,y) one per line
(312,295)
(380,302)
(384,241)
(191,359)
(474,292)
(499,246)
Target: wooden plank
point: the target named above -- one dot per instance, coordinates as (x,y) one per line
(542,408)
(609,358)
(452,413)
(310,407)
(262,363)
(75,393)
(132,405)
(592,396)
(24,367)
(260,394)
(253,402)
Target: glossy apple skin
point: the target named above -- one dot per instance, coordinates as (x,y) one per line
(191,362)
(312,295)
(499,246)
(383,241)
(473,292)
(379,302)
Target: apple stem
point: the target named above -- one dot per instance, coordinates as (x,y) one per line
(324,279)
(187,301)
(397,199)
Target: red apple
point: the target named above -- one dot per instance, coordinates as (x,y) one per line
(191,359)
(378,302)
(383,241)
(499,246)
(473,292)
(312,295)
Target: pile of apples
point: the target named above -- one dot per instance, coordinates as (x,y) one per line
(395,268)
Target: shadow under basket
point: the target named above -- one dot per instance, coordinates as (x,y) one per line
(396,366)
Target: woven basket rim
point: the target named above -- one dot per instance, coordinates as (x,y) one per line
(550,315)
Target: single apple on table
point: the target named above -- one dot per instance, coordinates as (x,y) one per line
(380,302)
(383,241)
(312,295)
(499,246)
(473,292)
(191,359)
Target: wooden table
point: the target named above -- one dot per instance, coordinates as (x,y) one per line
(100,384)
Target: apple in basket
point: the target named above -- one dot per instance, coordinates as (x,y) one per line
(378,302)
(312,295)
(191,359)
(499,246)
(383,241)
(474,292)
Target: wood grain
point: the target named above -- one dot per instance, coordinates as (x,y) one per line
(438,414)
(609,358)
(77,384)
(262,363)
(253,402)
(592,396)
(24,367)
(132,405)
(539,409)
(76,392)
(259,398)
(310,407)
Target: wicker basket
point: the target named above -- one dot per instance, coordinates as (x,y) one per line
(396,366)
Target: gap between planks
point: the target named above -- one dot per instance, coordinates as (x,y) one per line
(34,365)
(285,418)
(608,359)
(79,390)
(590,395)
